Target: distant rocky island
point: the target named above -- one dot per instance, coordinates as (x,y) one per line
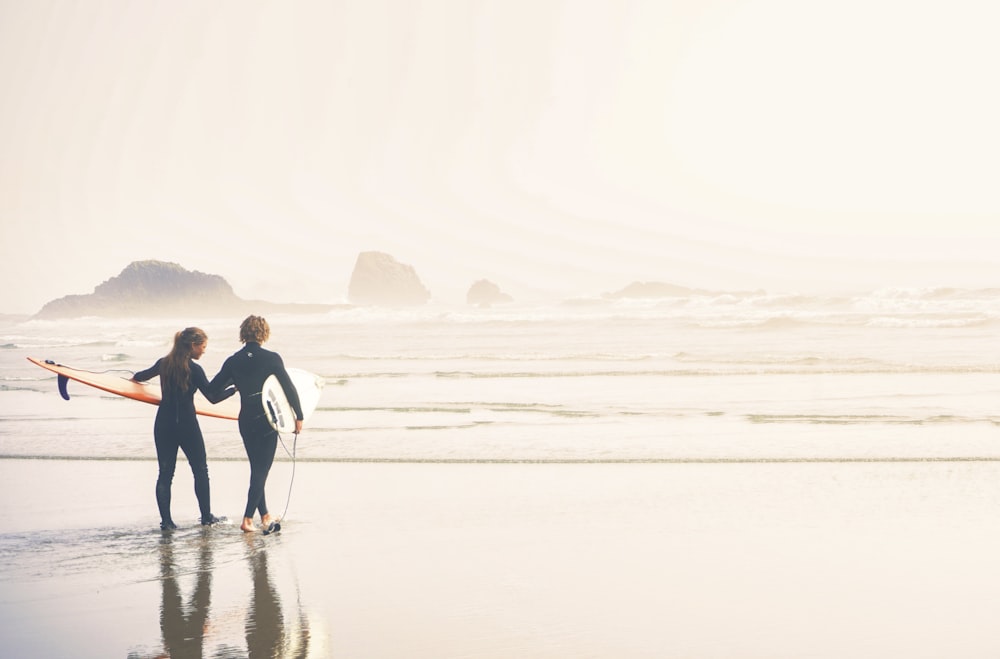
(162,289)
(158,288)
(485,293)
(380,280)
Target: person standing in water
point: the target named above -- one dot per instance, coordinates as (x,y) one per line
(176,425)
(248,368)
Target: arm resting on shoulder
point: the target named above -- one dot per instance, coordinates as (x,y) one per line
(214,396)
(218,390)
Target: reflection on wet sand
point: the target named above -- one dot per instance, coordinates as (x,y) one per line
(185,624)
(265,624)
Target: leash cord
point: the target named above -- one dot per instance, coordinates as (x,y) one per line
(295,441)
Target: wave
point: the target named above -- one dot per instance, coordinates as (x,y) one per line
(936,293)
(804,368)
(37,343)
(880,320)
(861,364)
(4,386)
(681,364)
(878,419)
(919,307)
(755,322)
(932,322)
(922,309)
(495,357)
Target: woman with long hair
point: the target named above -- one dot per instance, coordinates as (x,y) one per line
(248,368)
(176,425)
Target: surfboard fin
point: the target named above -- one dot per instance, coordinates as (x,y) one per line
(63,381)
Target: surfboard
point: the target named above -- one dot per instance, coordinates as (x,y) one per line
(147,392)
(276,406)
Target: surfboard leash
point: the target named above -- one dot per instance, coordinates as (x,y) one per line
(276,526)
(62,381)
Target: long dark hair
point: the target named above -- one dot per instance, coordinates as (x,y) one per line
(175,370)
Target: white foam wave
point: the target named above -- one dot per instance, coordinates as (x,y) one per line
(927,322)
(709,309)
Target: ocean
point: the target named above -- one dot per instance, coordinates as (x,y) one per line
(743,475)
(894,374)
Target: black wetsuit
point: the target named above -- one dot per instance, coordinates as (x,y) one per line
(248,369)
(177,426)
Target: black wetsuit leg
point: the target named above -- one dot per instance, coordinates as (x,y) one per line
(193,444)
(260,441)
(169,436)
(166,457)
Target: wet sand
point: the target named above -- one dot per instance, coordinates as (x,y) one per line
(507,560)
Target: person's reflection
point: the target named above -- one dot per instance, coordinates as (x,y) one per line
(265,624)
(183,625)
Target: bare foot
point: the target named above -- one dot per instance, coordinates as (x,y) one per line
(247,525)
(266,520)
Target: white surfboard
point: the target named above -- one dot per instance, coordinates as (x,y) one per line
(276,406)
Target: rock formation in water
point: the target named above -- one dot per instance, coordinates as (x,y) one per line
(157,288)
(485,293)
(380,280)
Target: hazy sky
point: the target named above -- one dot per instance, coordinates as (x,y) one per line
(556,148)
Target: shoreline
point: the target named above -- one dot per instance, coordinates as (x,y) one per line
(545,461)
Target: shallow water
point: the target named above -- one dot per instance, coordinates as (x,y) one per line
(895,374)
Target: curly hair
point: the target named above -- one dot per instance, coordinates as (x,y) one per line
(254,329)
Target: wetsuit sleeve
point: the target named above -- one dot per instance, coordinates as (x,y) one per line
(220,382)
(202,384)
(149,373)
(291,393)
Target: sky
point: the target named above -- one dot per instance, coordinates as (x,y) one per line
(556,148)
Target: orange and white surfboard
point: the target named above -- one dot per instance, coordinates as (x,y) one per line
(147,392)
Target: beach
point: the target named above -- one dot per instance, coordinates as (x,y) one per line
(733,477)
(789,559)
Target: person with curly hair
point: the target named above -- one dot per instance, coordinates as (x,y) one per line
(248,369)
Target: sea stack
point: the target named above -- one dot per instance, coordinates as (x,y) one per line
(380,280)
(485,293)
